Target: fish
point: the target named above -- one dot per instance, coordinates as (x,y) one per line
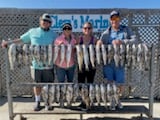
(37,53)
(50,54)
(57,94)
(92,94)
(116,55)
(31,51)
(45,93)
(63,89)
(98,54)
(140,56)
(69,94)
(146,56)
(62,54)
(79,56)
(134,54)
(85,95)
(19,54)
(92,55)
(26,53)
(110,51)
(103,94)
(75,92)
(86,56)
(12,55)
(128,54)
(104,54)
(44,53)
(68,54)
(98,94)
(115,94)
(122,54)
(52,92)
(56,53)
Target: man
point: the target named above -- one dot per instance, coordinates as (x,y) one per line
(41,35)
(116,34)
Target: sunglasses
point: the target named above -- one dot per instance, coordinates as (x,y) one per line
(115,18)
(87,28)
(67,28)
(47,21)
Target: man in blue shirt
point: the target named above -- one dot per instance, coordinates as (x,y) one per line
(116,34)
(41,35)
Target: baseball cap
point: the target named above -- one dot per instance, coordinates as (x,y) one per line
(46,17)
(114,13)
(66,25)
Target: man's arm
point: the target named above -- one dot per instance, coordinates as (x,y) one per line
(6,43)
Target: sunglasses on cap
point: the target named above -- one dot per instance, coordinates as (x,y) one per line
(115,18)
(85,28)
(67,28)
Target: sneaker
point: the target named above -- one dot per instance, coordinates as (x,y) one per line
(120,106)
(82,106)
(48,108)
(37,106)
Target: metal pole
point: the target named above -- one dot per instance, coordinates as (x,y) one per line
(8,85)
(151,80)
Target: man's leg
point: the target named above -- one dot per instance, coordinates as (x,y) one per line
(37,90)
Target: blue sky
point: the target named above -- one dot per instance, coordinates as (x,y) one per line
(69,4)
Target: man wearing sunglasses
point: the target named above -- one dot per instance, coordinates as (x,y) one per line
(116,34)
(41,35)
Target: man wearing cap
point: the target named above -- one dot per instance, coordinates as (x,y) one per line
(41,35)
(116,34)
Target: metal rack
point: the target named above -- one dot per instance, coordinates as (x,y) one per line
(149,111)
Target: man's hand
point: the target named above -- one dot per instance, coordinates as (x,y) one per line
(116,42)
(4,44)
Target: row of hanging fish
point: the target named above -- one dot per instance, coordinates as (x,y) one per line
(91,93)
(124,54)
(129,54)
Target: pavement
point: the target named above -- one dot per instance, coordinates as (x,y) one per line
(133,110)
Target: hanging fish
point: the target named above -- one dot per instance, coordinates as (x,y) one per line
(50,54)
(92,55)
(92,94)
(62,54)
(57,94)
(19,54)
(98,94)
(75,92)
(79,52)
(103,94)
(52,92)
(56,53)
(146,56)
(85,95)
(86,56)
(37,53)
(122,54)
(134,54)
(45,94)
(140,56)
(98,54)
(68,54)
(26,53)
(128,54)
(31,49)
(116,55)
(69,95)
(110,51)
(104,54)
(12,55)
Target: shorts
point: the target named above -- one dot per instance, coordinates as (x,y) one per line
(113,73)
(62,73)
(42,76)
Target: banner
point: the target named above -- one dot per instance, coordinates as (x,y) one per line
(99,22)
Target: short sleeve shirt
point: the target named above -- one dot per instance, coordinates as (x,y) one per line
(37,36)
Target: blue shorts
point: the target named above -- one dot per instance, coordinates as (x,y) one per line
(113,73)
(62,73)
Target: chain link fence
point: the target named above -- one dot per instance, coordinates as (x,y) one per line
(144,23)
